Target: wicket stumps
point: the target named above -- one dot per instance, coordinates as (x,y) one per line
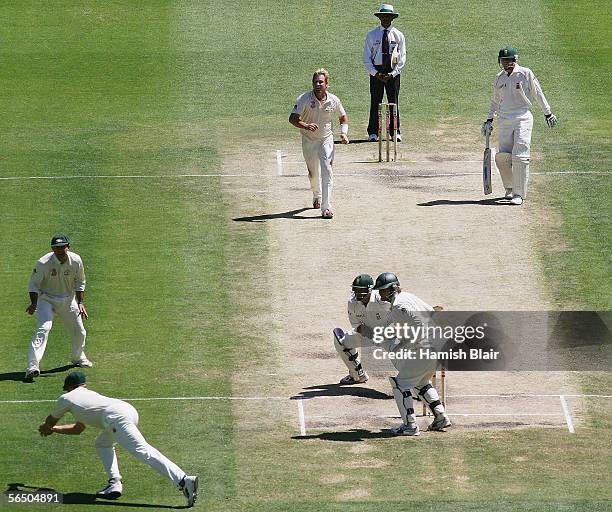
(434,381)
(390,109)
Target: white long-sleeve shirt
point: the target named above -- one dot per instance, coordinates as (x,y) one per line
(372,51)
(56,280)
(514,94)
(311,110)
(93,409)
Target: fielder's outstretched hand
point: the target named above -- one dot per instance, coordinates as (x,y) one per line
(344,138)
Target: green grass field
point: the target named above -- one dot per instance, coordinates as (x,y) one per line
(158,89)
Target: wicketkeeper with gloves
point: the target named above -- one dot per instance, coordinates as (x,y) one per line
(514,91)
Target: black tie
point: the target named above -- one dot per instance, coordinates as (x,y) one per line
(386,58)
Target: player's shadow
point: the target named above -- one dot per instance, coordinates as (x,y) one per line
(19,376)
(337,390)
(495,201)
(347,436)
(353,141)
(82,498)
(291,214)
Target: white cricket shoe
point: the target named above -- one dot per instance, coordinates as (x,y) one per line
(189,486)
(373,137)
(440,423)
(83,363)
(31,373)
(327,214)
(350,380)
(411,429)
(508,194)
(516,200)
(399,137)
(112,491)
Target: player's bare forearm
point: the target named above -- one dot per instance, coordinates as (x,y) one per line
(73,429)
(295,120)
(80,298)
(33,303)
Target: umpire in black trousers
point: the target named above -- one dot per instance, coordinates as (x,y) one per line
(384,56)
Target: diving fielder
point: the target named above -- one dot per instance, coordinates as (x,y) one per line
(57,287)
(364,308)
(514,91)
(118,421)
(312,114)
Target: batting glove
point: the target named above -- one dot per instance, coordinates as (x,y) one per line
(551,120)
(487,127)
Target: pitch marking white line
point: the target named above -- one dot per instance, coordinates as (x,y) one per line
(568,416)
(301,420)
(263,398)
(246,175)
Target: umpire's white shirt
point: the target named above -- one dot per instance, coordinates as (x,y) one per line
(93,409)
(311,110)
(56,281)
(372,50)
(513,95)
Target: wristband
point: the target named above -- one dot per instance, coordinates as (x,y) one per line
(81,302)
(344,128)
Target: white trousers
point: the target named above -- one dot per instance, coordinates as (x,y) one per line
(124,431)
(68,310)
(515,138)
(319,156)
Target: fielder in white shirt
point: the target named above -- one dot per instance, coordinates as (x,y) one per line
(312,114)
(118,421)
(57,287)
(364,308)
(515,89)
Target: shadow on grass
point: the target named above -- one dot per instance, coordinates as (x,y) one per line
(348,436)
(495,201)
(337,390)
(19,376)
(82,498)
(291,214)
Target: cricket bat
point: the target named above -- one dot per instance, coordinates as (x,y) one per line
(486,168)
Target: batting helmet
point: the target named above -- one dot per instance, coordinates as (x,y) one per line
(363,281)
(385,280)
(507,53)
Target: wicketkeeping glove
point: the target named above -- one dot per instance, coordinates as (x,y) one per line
(487,127)
(551,120)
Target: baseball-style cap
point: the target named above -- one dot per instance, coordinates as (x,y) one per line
(74,379)
(387,9)
(60,241)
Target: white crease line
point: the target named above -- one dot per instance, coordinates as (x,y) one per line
(301,420)
(300,398)
(477,414)
(246,175)
(568,416)
(279,162)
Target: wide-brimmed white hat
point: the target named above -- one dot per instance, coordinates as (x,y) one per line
(387,9)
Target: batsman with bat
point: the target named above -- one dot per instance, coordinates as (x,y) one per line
(514,90)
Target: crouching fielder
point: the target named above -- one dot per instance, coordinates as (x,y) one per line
(408,309)
(515,89)
(364,308)
(118,421)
